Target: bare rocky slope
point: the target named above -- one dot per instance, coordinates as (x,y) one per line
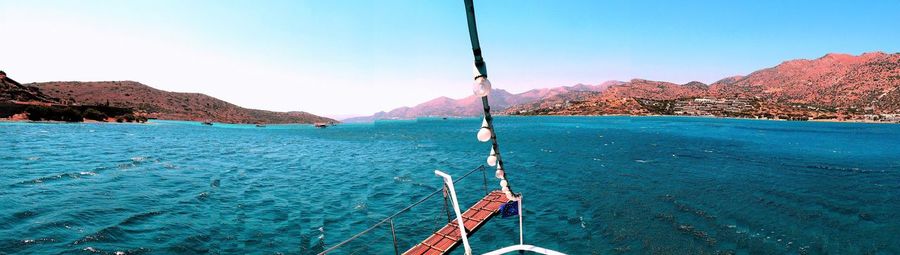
(10,90)
(155,103)
(831,86)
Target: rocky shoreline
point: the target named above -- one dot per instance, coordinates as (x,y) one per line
(33,111)
(709,116)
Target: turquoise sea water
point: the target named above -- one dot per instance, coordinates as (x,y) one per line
(592,185)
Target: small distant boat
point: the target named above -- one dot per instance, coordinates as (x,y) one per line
(320,125)
(260,125)
(207,123)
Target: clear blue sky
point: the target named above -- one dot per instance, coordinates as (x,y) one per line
(359,57)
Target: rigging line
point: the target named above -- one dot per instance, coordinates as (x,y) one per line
(481,69)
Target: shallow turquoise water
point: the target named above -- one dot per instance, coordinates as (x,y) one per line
(592,185)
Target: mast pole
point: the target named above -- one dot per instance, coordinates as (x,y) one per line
(481,72)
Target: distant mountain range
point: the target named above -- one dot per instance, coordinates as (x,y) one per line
(149,102)
(471,105)
(833,86)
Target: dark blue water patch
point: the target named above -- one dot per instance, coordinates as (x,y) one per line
(592,185)
(23,215)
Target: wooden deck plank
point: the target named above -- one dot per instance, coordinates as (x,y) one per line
(417,250)
(447,238)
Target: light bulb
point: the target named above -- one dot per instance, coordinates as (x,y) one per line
(504,184)
(499,174)
(492,159)
(481,87)
(484,134)
(505,189)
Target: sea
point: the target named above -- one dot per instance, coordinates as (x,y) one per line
(590,185)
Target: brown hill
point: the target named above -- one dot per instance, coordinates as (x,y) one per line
(10,90)
(834,80)
(471,105)
(160,104)
(616,99)
(656,90)
(834,83)
(552,102)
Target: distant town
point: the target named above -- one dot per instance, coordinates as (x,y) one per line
(741,108)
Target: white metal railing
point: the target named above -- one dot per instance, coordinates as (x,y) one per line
(450,189)
(459,220)
(390,219)
(521,247)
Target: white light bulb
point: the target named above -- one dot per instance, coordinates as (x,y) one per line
(484,134)
(499,174)
(492,159)
(504,184)
(505,189)
(482,87)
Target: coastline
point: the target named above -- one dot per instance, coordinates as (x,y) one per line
(10,120)
(637,116)
(763,119)
(712,117)
(19,120)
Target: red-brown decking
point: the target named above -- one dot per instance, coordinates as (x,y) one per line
(447,238)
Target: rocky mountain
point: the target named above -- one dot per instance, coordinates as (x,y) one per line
(834,80)
(10,90)
(471,105)
(657,90)
(154,103)
(615,99)
(830,86)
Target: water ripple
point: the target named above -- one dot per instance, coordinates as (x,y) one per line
(612,185)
